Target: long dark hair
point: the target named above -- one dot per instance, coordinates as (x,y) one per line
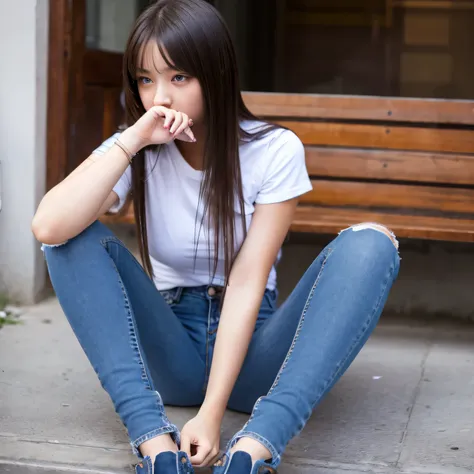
(193,37)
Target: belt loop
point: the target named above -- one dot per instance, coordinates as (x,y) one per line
(172,296)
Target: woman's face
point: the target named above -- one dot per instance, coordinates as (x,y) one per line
(160,85)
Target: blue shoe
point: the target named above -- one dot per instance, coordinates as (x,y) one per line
(241,463)
(166,463)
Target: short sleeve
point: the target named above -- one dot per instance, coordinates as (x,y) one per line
(124,184)
(285,176)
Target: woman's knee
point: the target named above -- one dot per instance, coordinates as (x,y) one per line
(375,230)
(95,232)
(367,249)
(368,245)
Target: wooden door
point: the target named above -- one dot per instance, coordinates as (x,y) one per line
(85,85)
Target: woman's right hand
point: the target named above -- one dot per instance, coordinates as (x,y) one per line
(161,125)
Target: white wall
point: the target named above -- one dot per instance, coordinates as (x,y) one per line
(23,91)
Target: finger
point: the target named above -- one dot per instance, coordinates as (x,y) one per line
(178,120)
(202,453)
(159,110)
(211,458)
(189,133)
(186,445)
(184,138)
(182,127)
(169,117)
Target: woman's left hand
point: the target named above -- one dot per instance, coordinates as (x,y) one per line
(200,439)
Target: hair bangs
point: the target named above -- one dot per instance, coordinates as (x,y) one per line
(177,46)
(136,50)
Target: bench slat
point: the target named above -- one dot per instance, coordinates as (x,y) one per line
(331,221)
(342,107)
(390,165)
(125,216)
(313,219)
(379,136)
(390,196)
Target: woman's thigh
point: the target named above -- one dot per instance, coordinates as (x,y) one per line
(120,317)
(270,345)
(338,299)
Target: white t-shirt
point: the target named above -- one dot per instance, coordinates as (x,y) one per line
(273,170)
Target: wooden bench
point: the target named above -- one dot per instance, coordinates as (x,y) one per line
(405,163)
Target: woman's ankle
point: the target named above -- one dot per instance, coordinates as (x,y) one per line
(251,446)
(157,445)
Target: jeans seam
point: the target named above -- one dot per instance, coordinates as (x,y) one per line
(136,348)
(295,338)
(206,376)
(133,332)
(359,336)
(300,324)
(169,428)
(117,241)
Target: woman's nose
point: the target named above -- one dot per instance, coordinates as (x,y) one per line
(162,97)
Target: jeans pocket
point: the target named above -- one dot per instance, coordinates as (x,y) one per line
(172,296)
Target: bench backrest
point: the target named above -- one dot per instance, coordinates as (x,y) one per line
(411,156)
(407,163)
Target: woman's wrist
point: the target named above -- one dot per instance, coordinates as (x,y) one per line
(212,410)
(131,140)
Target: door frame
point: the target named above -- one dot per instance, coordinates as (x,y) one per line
(66,48)
(72,66)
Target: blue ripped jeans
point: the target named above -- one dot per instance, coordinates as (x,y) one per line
(150,348)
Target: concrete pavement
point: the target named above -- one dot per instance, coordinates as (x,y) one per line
(404,406)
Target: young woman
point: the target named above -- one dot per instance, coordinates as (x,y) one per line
(214,191)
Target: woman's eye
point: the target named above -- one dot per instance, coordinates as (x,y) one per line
(144,80)
(179,78)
